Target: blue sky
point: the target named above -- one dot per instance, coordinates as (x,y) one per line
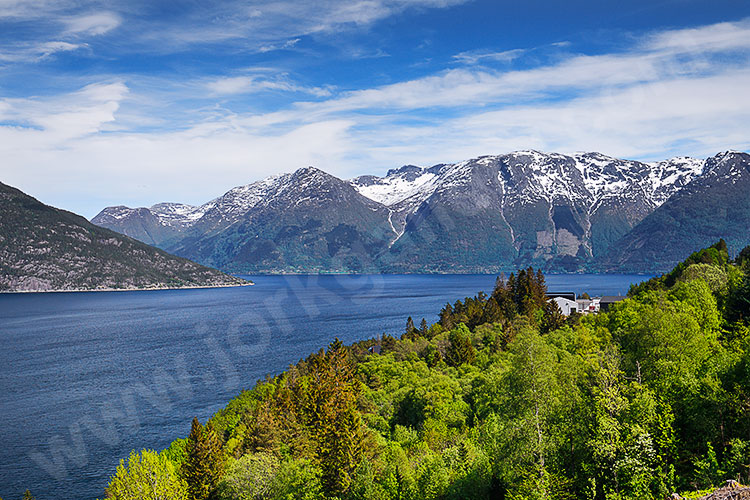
(112,102)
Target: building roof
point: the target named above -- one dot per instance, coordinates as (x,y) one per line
(557,299)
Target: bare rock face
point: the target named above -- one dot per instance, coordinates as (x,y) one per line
(559,212)
(714,205)
(43,249)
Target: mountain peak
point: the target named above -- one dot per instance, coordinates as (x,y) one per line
(309,170)
(531,206)
(404,170)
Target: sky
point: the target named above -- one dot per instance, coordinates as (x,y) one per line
(107,102)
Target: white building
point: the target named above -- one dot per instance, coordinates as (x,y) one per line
(587,306)
(567,306)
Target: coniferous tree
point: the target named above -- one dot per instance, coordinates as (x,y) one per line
(204,464)
(446,317)
(423,328)
(492,312)
(460,350)
(330,408)
(743,257)
(552,317)
(411,330)
(27,495)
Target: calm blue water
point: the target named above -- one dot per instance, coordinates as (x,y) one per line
(87,377)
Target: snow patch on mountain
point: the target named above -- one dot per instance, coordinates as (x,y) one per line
(529,175)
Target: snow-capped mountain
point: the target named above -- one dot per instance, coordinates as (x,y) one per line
(493,212)
(305,220)
(551,205)
(716,204)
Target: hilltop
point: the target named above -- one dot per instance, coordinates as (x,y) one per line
(43,248)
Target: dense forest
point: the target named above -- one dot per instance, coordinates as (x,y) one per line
(502,398)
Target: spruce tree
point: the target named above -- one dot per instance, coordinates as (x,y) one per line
(330,408)
(423,328)
(204,464)
(411,330)
(446,317)
(460,350)
(492,312)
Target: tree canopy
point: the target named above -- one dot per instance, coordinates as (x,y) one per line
(502,397)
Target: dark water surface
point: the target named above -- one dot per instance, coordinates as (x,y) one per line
(87,377)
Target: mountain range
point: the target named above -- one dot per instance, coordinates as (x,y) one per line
(581,212)
(43,248)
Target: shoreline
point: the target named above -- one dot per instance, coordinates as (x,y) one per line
(447,273)
(79,290)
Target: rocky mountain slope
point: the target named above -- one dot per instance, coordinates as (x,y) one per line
(714,205)
(43,248)
(304,221)
(525,207)
(560,212)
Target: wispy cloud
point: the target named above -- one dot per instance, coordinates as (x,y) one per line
(92,24)
(655,98)
(53,121)
(234,85)
(473,57)
(32,52)
(719,37)
(288,44)
(260,27)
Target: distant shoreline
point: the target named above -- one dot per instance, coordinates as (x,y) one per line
(78,290)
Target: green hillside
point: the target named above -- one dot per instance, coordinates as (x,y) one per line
(502,398)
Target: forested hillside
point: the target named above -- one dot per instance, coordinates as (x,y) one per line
(501,398)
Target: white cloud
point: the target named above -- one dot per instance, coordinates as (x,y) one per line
(28,8)
(648,102)
(705,39)
(92,24)
(472,57)
(231,85)
(31,52)
(288,44)
(51,123)
(235,85)
(271,24)
(264,26)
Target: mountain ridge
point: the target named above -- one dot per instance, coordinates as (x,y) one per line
(43,248)
(486,214)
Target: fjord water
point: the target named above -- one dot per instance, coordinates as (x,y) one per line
(87,377)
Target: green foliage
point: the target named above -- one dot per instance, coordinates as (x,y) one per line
(330,411)
(298,480)
(743,258)
(411,331)
(252,477)
(738,302)
(716,255)
(147,476)
(460,349)
(204,461)
(707,470)
(176,453)
(502,399)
